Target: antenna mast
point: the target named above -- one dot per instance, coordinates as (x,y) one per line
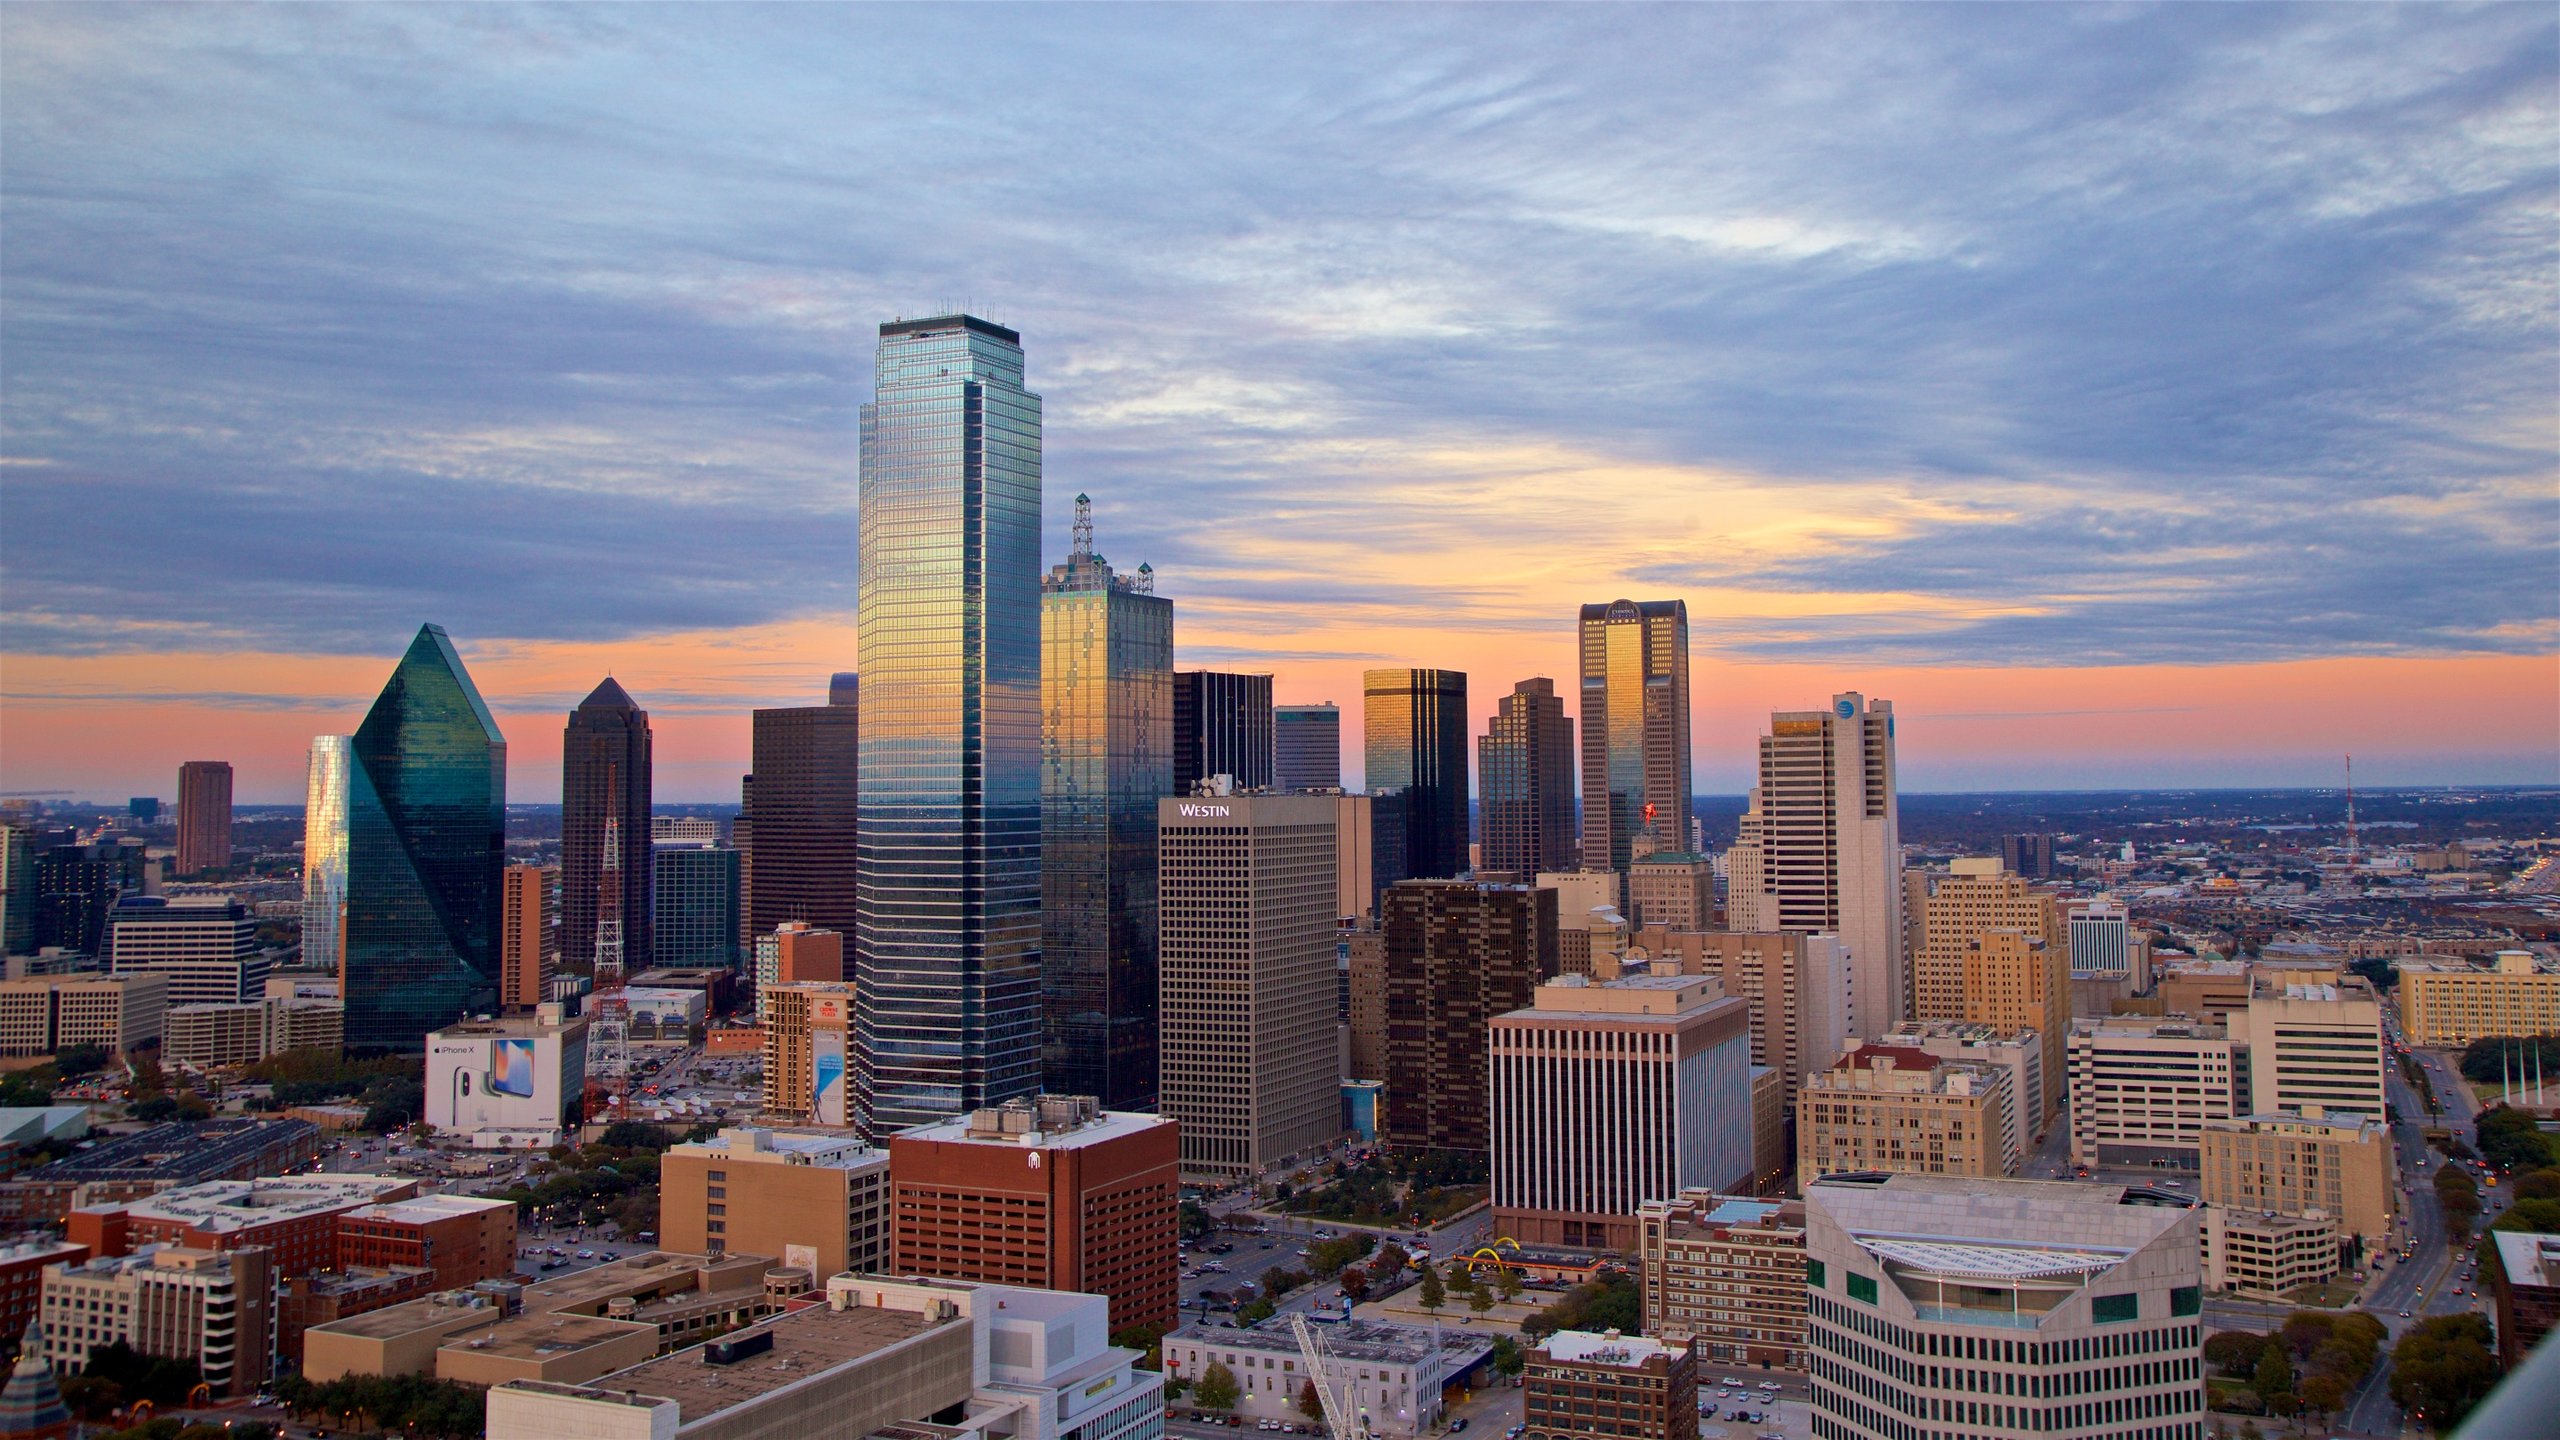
(608,1049)
(2351,816)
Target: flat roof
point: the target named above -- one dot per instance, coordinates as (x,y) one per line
(227,1205)
(420,1209)
(631,1275)
(540,1337)
(805,1343)
(1111,1125)
(1583,1347)
(1355,1340)
(432,1312)
(180,1150)
(2528,1259)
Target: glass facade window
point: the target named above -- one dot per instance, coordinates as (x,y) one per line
(1525,763)
(324,850)
(1862,1287)
(2105,1309)
(1635,728)
(947,970)
(695,895)
(1306,742)
(1414,738)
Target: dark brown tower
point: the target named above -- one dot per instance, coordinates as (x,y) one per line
(604,776)
(796,828)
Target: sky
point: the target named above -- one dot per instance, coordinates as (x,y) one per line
(2134,396)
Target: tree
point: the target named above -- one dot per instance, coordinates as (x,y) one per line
(2542,1184)
(1217,1388)
(2442,1367)
(1147,1340)
(2274,1378)
(1355,1283)
(2234,1352)
(2323,1394)
(75,1061)
(1507,1280)
(635,1135)
(1434,1295)
(1479,1299)
(1310,1404)
(1508,1358)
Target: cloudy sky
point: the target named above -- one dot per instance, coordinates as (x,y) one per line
(2134,396)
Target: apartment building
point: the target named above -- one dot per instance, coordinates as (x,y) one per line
(215,1308)
(1579,1384)
(1723,1275)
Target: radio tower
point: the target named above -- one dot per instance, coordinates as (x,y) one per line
(608,1036)
(2351,815)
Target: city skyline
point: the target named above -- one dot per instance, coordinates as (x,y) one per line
(1950,406)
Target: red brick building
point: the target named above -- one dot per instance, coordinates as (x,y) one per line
(22,1277)
(1056,1193)
(295,1219)
(464,1239)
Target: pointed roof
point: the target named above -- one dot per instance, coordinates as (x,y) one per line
(31,1403)
(608,696)
(430,675)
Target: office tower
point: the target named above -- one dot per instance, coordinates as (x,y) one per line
(528,936)
(2019,1052)
(947,941)
(1591,921)
(807,1047)
(1881,1107)
(1458,954)
(1106,758)
(1796,985)
(17,890)
(426,840)
(604,798)
(143,809)
(2001,1309)
(1525,765)
(1055,1192)
(204,816)
(798,828)
(2028,855)
(76,885)
(1957,909)
(684,829)
(2016,983)
(1247,1008)
(207,946)
(2449,1001)
(695,891)
(1307,747)
(757,1191)
(2315,1045)
(1222,725)
(1724,1275)
(2338,1165)
(1414,725)
(2142,1088)
(2101,939)
(1355,858)
(1635,728)
(1820,848)
(1673,889)
(1578,1383)
(324,850)
(1365,966)
(1605,1096)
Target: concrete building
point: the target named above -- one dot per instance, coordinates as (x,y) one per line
(1580,1384)
(2142,1088)
(1054,1193)
(1770,1156)
(514,1073)
(1797,987)
(2002,1308)
(209,1035)
(214,1309)
(1365,975)
(2266,1254)
(2030,855)
(2338,1166)
(2020,984)
(2101,942)
(1606,1096)
(207,946)
(1820,849)
(2020,1052)
(1591,920)
(2313,1046)
(795,953)
(204,816)
(1724,1276)
(1246,1006)
(2523,1270)
(22,1266)
(2446,1003)
(1394,1377)
(1524,765)
(43,1014)
(1975,896)
(1635,728)
(1673,890)
(1885,1108)
(2207,990)
(1367,854)
(528,936)
(1307,748)
(1458,954)
(461,1239)
(688,1298)
(807,1038)
(820,1200)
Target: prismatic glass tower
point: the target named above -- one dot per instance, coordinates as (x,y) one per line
(1635,728)
(947,950)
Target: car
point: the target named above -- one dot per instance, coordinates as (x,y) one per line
(1515,1432)
(1706,1412)
(2404,1314)
(1458,1424)
(1731,1383)
(586,1254)
(1304,1252)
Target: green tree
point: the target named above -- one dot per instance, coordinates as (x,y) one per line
(1217,1388)
(2442,1367)
(1310,1404)
(2234,1352)
(2542,1184)
(2323,1394)
(1434,1295)
(1147,1340)
(2274,1378)
(1479,1299)
(1507,1280)
(635,1135)
(1508,1358)
(75,1061)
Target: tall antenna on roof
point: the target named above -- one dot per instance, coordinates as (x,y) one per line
(1084,527)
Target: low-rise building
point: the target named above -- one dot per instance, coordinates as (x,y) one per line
(1724,1275)
(293,1220)
(2259,1252)
(205,945)
(146,1162)
(1882,1107)
(2448,1002)
(2524,1277)
(463,1239)
(1392,1376)
(208,1035)
(214,1309)
(820,1200)
(308,1300)
(1579,1384)
(513,1073)
(43,1014)
(22,1267)
(2142,1088)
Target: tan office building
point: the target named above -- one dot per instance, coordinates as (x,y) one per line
(2015,982)
(2020,1052)
(1368,1005)
(807,1038)
(2339,1166)
(1974,898)
(1673,889)
(1796,986)
(1724,1275)
(2142,1088)
(2313,1046)
(818,1200)
(2208,990)
(1886,1108)
(528,936)
(2448,1002)
(42,1014)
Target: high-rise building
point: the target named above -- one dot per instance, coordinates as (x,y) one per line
(1957,908)
(427,838)
(798,952)
(2028,855)
(1524,765)
(1606,1096)
(947,943)
(77,884)
(324,851)
(1673,890)
(1458,954)
(207,946)
(1247,1005)
(2101,940)
(1820,848)
(1635,728)
(1052,1192)
(1414,737)
(2315,1045)
(2001,1310)
(528,937)
(1724,1275)
(605,786)
(17,889)
(798,827)
(695,892)
(808,1047)
(1106,758)
(2015,982)
(1222,725)
(1881,1107)
(1591,919)
(1307,747)
(204,816)
(773,1192)
(2142,1088)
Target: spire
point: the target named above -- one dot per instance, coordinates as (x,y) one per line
(608,696)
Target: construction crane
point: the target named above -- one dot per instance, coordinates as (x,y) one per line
(1339,1422)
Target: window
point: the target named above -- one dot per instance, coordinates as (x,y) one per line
(1814,1278)
(1863,1287)
(2108,1308)
(2186,1300)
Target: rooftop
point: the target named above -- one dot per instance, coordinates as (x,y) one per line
(1584,1348)
(830,1149)
(1375,1341)
(805,1342)
(439,1313)
(180,1150)
(1050,1125)
(223,1206)
(2528,1259)
(2034,1219)
(654,1272)
(541,1337)
(422,1209)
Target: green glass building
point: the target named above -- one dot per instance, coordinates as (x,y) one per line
(1415,740)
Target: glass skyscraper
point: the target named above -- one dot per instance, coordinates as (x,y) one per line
(1221,726)
(1306,747)
(426,840)
(694,902)
(1106,758)
(1635,728)
(1414,725)
(1524,762)
(324,850)
(947,950)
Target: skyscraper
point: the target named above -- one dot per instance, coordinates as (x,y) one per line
(798,824)
(1106,758)
(947,945)
(17,889)
(204,816)
(528,936)
(1525,763)
(604,792)
(1414,733)
(696,901)
(1820,849)
(1458,954)
(1635,728)
(426,839)
(1306,747)
(324,850)
(1221,726)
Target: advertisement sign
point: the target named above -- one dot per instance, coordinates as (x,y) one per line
(511,1072)
(509,1082)
(826,1077)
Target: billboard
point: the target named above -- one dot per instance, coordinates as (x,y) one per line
(511,1069)
(826,1077)
(502,1082)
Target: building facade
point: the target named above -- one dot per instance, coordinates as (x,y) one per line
(1524,763)
(947,945)
(528,936)
(214,1309)
(2143,1087)
(798,830)
(204,816)
(808,1046)
(1394,1378)
(1885,1108)
(605,789)
(1635,728)
(695,889)
(1724,1276)
(1306,743)
(1222,725)
(1458,953)
(2019,1052)
(324,850)
(818,1200)
(2294,1164)
(1975,896)
(1796,985)
(1673,889)
(1578,1384)
(2447,1003)
(207,946)
(1414,738)
(42,1014)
